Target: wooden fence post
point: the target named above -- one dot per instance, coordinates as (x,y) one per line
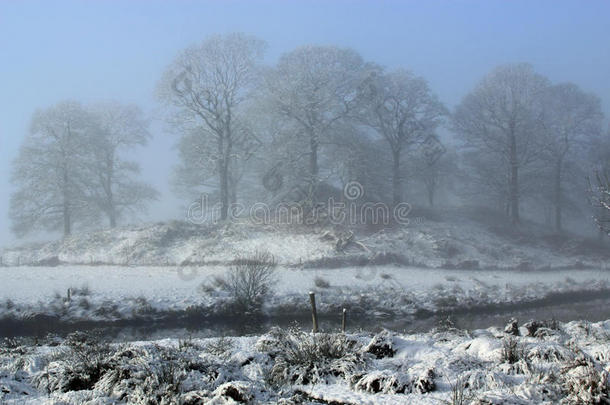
(314,314)
(343,320)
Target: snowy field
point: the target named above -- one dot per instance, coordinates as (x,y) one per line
(535,363)
(26,291)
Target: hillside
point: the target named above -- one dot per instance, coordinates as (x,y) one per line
(448,239)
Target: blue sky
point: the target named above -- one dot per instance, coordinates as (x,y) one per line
(94,50)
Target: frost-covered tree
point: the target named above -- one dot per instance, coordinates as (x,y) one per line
(111,182)
(572,117)
(600,191)
(48,172)
(599,156)
(206,84)
(357,156)
(402,109)
(432,170)
(501,120)
(315,87)
(197,170)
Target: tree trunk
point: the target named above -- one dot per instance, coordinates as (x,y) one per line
(224,189)
(67,219)
(233,181)
(558,199)
(430,195)
(313,157)
(233,192)
(396,178)
(112,209)
(66,208)
(112,218)
(514,180)
(224,152)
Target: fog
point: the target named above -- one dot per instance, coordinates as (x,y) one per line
(263,202)
(118,50)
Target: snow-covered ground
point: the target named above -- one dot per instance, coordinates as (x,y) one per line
(452,239)
(114,292)
(536,363)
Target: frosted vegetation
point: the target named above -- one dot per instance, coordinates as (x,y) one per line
(543,362)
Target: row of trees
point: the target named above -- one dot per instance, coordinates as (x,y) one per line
(72,167)
(522,126)
(521,135)
(319,118)
(317,102)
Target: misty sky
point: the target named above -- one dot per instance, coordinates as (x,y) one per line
(95,50)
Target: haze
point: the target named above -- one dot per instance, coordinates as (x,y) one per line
(305,202)
(96,50)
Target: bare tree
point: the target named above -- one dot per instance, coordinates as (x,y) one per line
(571,118)
(433,170)
(482,180)
(111,184)
(206,84)
(600,159)
(48,171)
(197,171)
(356,156)
(402,109)
(502,119)
(315,87)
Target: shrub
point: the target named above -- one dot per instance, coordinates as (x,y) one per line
(321,282)
(187,344)
(381,345)
(460,392)
(82,365)
(585,382)
(539,328)
(512,350)
(220,347)
(84,304)
(160,381)
(305,358)
(250,280)
(9,304)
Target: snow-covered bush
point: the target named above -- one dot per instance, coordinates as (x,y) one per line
(305,358)
(149,375)
(584,382)
(460,392)
(512,350)
(220,347)
(83,361)
(541,328)
(382,381)
(381,345)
